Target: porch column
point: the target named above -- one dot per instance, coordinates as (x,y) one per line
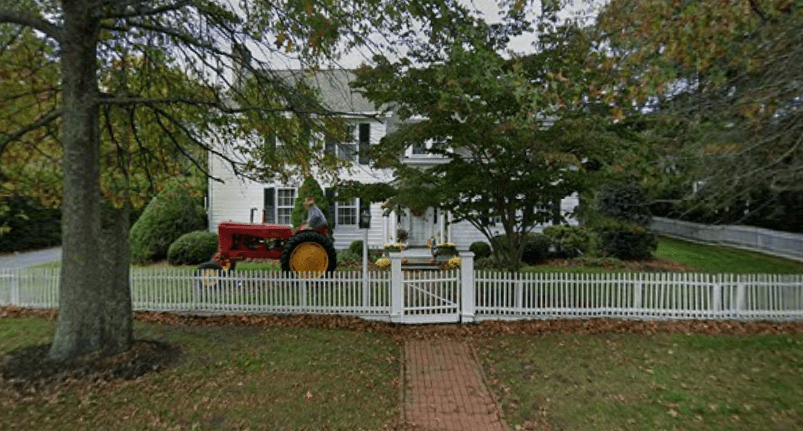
(385,228)
(448,228)
(393,227)
(431,224)
(441,225)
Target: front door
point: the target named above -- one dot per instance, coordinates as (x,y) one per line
(421,228)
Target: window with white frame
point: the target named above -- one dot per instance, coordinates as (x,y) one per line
(345,150)
(347,213)
(285,201)
(420,149)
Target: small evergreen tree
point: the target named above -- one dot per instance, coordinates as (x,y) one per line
(621,219)
(310,189)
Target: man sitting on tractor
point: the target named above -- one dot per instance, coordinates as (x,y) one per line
(315,217)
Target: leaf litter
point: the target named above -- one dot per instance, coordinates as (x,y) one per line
(27,373)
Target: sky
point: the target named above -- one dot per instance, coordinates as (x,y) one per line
(491,11)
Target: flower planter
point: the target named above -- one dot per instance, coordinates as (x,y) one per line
(445,255)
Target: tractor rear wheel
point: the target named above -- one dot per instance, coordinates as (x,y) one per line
(309,252)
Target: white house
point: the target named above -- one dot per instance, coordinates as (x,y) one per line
(241,200)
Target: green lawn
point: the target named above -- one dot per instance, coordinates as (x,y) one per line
(641,382)
(713,259)
(697,257)
(277,378)
(258,378)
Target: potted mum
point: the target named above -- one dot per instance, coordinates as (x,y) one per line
(392,247)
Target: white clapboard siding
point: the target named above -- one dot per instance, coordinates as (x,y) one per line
(234,197)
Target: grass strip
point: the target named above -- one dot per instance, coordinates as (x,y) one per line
(638,382)
(713,259)
(282,378)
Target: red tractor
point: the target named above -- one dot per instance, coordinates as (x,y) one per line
(308,251)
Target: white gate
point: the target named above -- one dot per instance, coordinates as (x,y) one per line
(431,296)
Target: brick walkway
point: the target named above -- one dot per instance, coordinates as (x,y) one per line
(445,389)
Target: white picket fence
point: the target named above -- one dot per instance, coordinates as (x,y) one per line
(182,290)
(461,295)
(645,296)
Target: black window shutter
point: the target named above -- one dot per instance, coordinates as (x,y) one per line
(330,194)
(556,218)
(270,141)
(269,208)
(365,142)
(330,146)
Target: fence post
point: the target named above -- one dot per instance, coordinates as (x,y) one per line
(15,287)
(197,285)
(638,300)
(467,306)
(717,286)
(740,296)
(302,291)
(396,289)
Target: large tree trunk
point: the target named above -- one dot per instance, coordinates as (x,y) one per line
(87,321)
(116,332)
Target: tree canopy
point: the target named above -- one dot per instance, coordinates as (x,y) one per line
(109,88)
(509,135)
(723,81)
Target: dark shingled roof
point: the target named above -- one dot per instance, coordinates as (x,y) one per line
(333,84)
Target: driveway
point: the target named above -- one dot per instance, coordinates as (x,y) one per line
(29,258)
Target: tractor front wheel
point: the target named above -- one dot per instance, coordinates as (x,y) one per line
(210,272)
(309,252)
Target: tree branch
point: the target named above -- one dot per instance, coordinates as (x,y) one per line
(19,133)
(132,12)
(182,149)
(112,100)
(29,20)
(191,136)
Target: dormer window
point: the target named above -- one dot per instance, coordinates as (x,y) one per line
(423,149)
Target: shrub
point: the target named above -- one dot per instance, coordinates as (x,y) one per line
(571,241)
(345,257)
(501,251)
(311,189)
(485,263)
(166,217)
(536,248)
(499,246)
(356,247)
(626,241)
(480,249)
(192,248)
